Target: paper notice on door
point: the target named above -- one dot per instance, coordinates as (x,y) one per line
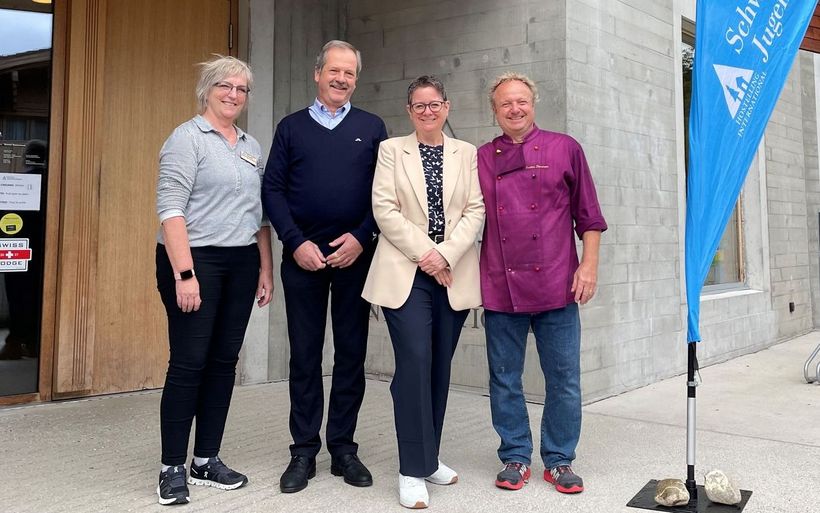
(19,191)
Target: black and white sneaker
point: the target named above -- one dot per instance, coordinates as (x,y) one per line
(216,474)
(172,488)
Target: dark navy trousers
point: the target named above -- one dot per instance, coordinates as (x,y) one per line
(306,301)
(424,332)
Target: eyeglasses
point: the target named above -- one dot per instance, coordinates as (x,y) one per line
(419,108)
(227,87)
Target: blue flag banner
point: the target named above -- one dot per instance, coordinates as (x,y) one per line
(744,50)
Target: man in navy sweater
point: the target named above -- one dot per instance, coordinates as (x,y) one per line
(316,193)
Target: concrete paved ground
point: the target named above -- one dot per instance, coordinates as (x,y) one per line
(757,420)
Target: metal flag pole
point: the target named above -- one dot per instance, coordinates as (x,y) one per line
(691,393)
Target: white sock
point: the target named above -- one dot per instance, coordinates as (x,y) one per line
(200,461)
(165,467)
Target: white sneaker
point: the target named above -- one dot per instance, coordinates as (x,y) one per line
(444,475)
(413,492)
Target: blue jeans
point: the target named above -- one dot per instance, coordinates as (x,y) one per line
(558,340)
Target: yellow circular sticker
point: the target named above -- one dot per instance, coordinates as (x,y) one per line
(10,224)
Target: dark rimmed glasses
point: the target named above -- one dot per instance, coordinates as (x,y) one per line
(435,106)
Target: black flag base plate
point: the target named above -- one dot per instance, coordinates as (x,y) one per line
(645,499)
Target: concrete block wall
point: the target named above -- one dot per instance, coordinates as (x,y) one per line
(809,85)
(788,220)
(301,27)
(466,43)
(261,359)
(607,72)
(621,107)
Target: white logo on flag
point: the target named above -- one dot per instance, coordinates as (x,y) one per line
(735,83)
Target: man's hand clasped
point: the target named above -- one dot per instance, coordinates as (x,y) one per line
(310,257)
(348,251)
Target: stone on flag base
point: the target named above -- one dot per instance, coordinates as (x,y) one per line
(645,499)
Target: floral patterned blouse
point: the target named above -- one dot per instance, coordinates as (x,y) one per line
(432,160)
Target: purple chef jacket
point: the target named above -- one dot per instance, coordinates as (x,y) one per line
(536,193)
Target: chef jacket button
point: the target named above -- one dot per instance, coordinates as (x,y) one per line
(500,207)
(532,207)
(509,269)
(535,148)
(499,177)
(503,239)
(533,176)
(534,236)
(537,269)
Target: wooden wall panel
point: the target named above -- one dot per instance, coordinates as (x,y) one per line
(78,240)
(152,47)
(130,80)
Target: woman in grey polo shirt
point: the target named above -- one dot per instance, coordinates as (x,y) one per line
(213,255)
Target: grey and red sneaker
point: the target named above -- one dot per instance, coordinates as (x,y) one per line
(564,479)
(513,476)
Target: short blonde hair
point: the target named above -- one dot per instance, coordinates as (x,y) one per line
(508,77)
(216,70)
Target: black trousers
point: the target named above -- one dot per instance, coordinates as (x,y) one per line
(204,347)
(306,299)
(424,332)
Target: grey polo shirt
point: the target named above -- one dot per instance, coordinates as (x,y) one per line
(215,187)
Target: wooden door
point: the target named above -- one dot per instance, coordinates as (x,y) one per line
(131,78)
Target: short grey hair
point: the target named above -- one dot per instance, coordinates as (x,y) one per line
(508,77)
(216,70)
(321,57)
(426,81)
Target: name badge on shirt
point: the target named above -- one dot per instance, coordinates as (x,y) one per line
(250,159)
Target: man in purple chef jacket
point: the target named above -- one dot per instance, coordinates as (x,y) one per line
(537,190)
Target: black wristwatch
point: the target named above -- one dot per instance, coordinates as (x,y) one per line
(184,275)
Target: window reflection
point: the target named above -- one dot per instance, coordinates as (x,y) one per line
(25,81)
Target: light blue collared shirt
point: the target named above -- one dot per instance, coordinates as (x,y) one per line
(322,115)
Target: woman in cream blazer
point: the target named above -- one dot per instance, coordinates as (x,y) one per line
(428,205)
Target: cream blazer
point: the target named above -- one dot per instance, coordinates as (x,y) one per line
(400,209)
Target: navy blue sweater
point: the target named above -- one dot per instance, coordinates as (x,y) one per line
(318,181)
